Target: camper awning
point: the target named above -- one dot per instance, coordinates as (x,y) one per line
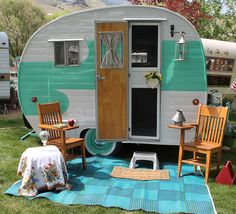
(145,19)
(65,40)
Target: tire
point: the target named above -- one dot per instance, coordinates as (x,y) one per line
(94,147)
(26,123)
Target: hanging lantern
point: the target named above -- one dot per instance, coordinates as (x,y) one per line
(181,48)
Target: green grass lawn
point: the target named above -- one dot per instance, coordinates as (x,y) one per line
(12,128)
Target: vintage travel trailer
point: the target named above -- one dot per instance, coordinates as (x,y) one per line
(94,63)
(4,67)
(221,68)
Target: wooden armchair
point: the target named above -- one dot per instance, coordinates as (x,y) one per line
(209,133)
(49,115)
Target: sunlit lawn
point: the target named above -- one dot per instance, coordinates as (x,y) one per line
(12,128)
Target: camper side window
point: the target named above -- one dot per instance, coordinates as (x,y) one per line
(66,53)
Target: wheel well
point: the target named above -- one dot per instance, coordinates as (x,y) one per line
(119,146)
(26,122)
(83,133)
(90,144)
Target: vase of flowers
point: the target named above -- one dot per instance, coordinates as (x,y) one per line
(153,79)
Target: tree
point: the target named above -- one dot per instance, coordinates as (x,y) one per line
(57,14)
(222,25)
(214,19)
(189,9)
(20,19)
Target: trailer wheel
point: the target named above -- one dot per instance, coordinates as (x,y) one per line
(99,148)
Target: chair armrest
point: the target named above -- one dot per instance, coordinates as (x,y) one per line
(44,126)
(192,124)
(70,128)
(182,131)
(184,127)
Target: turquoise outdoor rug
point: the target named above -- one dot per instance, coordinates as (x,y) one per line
(95,186)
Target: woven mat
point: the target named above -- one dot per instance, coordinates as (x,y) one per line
(140,174)
(95,186)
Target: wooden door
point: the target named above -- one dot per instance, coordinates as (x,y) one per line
(112,80)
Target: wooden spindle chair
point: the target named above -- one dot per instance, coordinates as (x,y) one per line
(49,115)
(209,133)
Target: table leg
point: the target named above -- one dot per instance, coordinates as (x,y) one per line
(180,151)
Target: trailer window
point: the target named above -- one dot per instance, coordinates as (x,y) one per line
(219,80)
(144,46)
(66,53)
(219,64)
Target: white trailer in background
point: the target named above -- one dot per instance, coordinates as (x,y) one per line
(4,67)
(221,69)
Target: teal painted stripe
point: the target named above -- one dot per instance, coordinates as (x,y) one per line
(188,75)
(44,80)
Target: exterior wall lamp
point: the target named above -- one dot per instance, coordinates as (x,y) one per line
(181,46)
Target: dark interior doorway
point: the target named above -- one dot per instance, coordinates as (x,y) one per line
(144,112)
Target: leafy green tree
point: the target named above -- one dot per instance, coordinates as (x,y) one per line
(20,19)
(57,14)
(222,24)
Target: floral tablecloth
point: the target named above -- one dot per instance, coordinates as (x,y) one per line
(41,168)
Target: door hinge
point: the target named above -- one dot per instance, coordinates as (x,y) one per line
(129,129)
(129,74)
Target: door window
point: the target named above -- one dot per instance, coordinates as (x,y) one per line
(144,46)
(111,50)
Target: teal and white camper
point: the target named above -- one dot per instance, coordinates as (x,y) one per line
(94,63)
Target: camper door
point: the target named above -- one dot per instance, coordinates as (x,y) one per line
(112,80)
(144,105)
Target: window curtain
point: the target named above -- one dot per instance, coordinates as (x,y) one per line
(111,58)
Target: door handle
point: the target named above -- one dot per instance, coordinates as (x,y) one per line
(99,77)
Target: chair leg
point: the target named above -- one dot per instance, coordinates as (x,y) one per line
(83,156)
(208,164)
(218,160)
(180,160)
(194,157)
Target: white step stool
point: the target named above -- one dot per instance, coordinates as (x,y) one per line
(149,156)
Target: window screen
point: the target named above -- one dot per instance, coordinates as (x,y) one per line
(66,53)
(59,53)
(144,46)
(73,53)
